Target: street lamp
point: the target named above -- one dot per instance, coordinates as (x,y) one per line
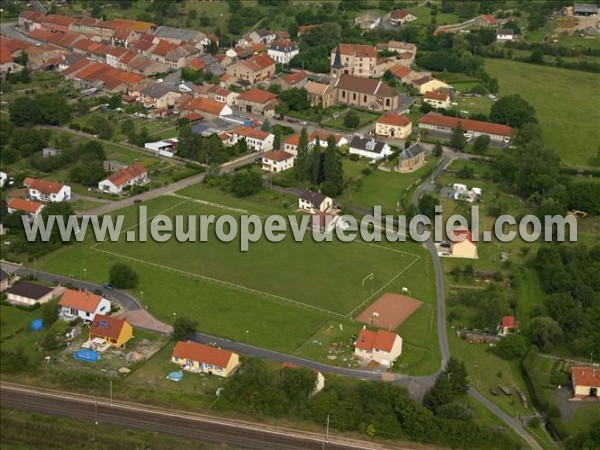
(85,274)
(247,336)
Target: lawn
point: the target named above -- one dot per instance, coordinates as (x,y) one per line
(365,117)
(568,115)
(385,189)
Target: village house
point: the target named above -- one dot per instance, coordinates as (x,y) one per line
(159,96)
(354,59)
(114,330)
(365,93)
(7,65)
(504,35)
(256,101)
(368,20)
(585,10)
(178,36)
(48,152)
(25,293)
(200,358)
(282,51)
(257,140)
(369,148)
(293,80)
(508,325)
(586,382)
(462,244)
(166,147)
(411,158)
(28,19)
(277,161)
(498,133)
(401,16)
(208,108)
(320,94)
(485,20)
(253,70)
(82,304)
(437,99)
(396,126)
(256,37)
(19,205)
(314,201)
(290,145)
(223,95)
(381,346)
(428,84)
(41,57)
(130,176)
(47,191)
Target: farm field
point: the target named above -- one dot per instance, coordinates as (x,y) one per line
(561,98)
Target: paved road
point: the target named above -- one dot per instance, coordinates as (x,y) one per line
(182,424)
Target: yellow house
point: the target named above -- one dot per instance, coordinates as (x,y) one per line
(117,332)
(396,126)
(462,244)
(586,382)
(199,358)
(428,84)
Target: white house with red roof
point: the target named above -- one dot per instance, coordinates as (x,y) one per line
(129,176)
(462,244)
(82,304)
(401,16)
(47,191)
(508,325)
(257,140)
(586,382)
(291,144)
(277,161)
(381,346)
(19,205)
(437,99)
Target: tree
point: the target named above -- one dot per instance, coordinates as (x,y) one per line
(122,276)
(277,140)
(266,126)
(536,56)
(115,101)
(246,183)
(49,314)
(438,150)
(296,99)
(58,209)
(88,173)
(512,110)
(481,144)
(103,127)
(314,164)
(301,162)
(351,119)
(544,332)
(458,140)
(50,342)
(512,346)
(183,328)
(332,169)
(427,204)
(450,384)
(282,109)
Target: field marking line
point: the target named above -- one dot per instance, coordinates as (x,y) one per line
(218,205)
(378,291)
(222,282)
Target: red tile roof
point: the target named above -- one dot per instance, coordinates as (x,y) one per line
(207,105)
(294,139)
(257,96)
(370,340)
(359,50)
(44,186)
(586,376)
(510,322)
(277,155)
(30,15)
(442,96)
(80,300)
(460,234)
(467,124)
(106,326)
(400,14)
(259,62)
(488,18)
(399,120)
(196,64)
(5,55)
(323,136)
(24,205)
(164,47)
(293,78)
(202,353)
(56,19)
(128,173)
(250,132)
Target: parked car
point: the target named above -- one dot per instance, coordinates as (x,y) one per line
(292,120)
(107,286)
(303,122)
(137,200)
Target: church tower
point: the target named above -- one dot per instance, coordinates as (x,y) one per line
(337,67)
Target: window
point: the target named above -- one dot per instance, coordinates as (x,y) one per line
(354,96)
(365,98)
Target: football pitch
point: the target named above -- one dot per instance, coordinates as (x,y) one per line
(335,278)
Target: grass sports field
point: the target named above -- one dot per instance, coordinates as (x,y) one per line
(561,97)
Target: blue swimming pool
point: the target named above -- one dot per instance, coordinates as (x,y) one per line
(86,355)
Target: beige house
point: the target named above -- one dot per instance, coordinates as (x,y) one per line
(586,383)
(200,358)
(381,346)
(428,84)
(253,70)
(320,94)
(158,96)
(437,99)
(277,161)
(411,158)
(25,293)
(314,201)
(393,126)
(462,244)
(355,59)
(257,101)
(365,93)
(401,16)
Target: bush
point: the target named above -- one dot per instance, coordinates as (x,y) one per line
(122,276)
(351,119)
